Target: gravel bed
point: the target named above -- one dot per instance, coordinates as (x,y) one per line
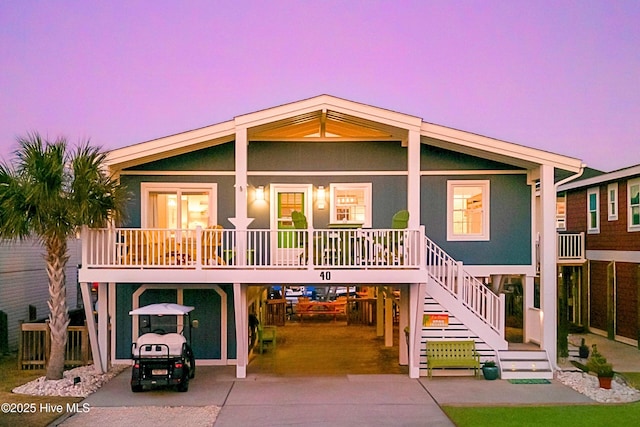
(84,380)
(146,416)
(588,385)
(77,382)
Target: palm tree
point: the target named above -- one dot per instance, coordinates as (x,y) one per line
(49,192)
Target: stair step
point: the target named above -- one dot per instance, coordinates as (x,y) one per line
(523,375)
(521,355)
(533,365)
(522,364)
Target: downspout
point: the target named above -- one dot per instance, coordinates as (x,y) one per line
(557,309)
(570,178)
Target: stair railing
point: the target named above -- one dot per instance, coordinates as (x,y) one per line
(471,292)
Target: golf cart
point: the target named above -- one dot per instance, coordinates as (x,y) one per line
(162,355)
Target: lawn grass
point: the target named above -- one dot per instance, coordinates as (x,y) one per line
(555,416)
(633,378)
(11,377)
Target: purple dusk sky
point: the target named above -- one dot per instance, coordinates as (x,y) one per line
(562,76)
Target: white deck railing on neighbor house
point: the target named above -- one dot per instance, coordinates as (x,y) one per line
(571,247)
(471,292)
(284,249)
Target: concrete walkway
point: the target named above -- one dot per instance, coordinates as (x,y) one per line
(351,400)
(624,357)
(264,399)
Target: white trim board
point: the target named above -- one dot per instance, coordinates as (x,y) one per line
(619,256)
(325,173)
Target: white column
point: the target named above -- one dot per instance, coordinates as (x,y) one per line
(380,312)
(528,284)
(404,322)
(103,323)
(241,221)
(548,277)
(112,320)
(241,172)
(413,179)
(417,292)
(91,325)
(242,329)
(388,318)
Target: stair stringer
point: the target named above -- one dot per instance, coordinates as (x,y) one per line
(484,332)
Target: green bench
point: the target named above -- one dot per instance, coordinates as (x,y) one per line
(452,354)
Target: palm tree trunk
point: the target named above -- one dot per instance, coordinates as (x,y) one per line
(57,258)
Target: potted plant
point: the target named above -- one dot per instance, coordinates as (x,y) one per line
(490,370)
(598,364)
(583,350)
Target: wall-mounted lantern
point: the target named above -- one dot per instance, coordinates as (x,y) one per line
(321,197)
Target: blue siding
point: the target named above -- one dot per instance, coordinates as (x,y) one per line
(219,157)
(206,339)
(327,156)
(226,195)
(389,196)
(434,159)
(510,232)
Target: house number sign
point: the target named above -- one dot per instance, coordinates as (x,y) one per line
(325,275)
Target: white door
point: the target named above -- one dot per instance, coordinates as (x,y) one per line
(287,244)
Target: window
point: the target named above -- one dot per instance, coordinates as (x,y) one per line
(612,202)
(351,203)
(468,210)
(633,194)
(561,212)
(593,213)
(166,205)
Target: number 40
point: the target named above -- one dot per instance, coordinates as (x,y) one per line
(325,275)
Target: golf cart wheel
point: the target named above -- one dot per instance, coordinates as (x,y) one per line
(184,385)
(192,367)
(136,388)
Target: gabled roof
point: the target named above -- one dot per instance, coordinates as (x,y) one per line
(629,172)
(328,118)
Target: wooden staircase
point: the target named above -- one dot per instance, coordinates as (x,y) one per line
(475,313)
(524,364)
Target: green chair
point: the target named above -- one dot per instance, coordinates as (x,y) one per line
(299,220)
(300,223)
(400,220)
(389,247)
(266,336)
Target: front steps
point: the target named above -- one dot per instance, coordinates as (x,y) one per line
(522,364)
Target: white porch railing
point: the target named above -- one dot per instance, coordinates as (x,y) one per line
(240,249)
(571,247)
(471,292)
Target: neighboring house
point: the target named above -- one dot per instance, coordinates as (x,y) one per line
(482,220)
(24,285)
(602,222)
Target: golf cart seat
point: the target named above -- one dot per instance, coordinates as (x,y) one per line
(152,344)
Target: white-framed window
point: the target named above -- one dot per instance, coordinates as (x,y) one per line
(593,211)
(561,212)
(351,203)
(633,196)
(612,202)
(178,205)
(468,210)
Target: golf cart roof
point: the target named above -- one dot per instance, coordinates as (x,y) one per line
(162,309)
